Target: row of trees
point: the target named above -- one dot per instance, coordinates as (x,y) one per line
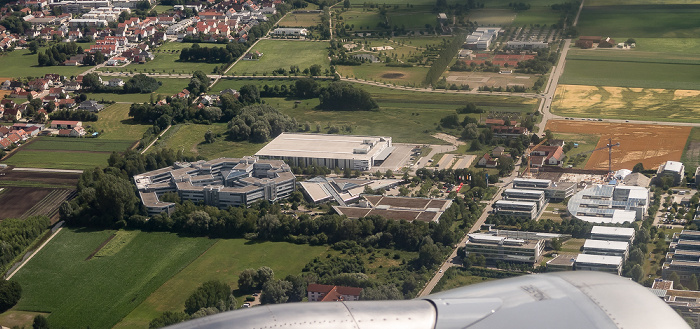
(214,54)
(342,96)
(17,234)
(210,298)
(445,56)
(58,53)
(258,123)
(77,115)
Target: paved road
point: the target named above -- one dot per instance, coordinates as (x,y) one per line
(453,260)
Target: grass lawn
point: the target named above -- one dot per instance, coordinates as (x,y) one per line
(161,8)
(114,124)
(456,277)
(411,18)
(640,21)
(300,20)
(169,87)
(362,19)
(670,46)
(691,152)
(597,3)
(586,143)
(420,42)
(166,60)
(283,54)
(99,292)
(190,139)
(48,159)
(488,17)
(572,245)
(20,63)
(630,74)
(223,261)
(19,319)
(536,16)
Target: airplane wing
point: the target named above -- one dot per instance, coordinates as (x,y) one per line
(572,300)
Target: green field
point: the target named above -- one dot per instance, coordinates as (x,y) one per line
(300,20)
(114,123)
(537,16)
(283,54)
(190,139)
(488,17)
(166,60)
(20,63)
(411,18)
(78,144)
(169,87)
(631,74)
(640,2)
(99,292)
(362,20)
(640,21)
(691,152)
(586,144)
(456,277)
(223,261)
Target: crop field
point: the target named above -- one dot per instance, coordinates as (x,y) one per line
(223,261)
(536,16)
(20,63)
(403,76)
(300,20)
(479,79)
(651,145)
(115,124)
(628,74)
(169,87)
(66,153)
(489,17)
(18,200)
(640,21)
(627,103)
(39,179)
(597,3)
(362,20)
(190,139)
(283,54)
(166,60)
(691,153)
(99,292)
(668,46)
(411,18)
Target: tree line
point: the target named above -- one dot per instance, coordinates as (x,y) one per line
(226,54)
(18,234)
(444,57)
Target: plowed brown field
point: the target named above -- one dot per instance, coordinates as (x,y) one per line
(651,145)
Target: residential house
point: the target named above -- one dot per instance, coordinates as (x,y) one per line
(5,143)
(233,92)
(184,94)
(329,293)
(552,155)
(39,84)
(488,161)
(64,124)
(67,103)
(116,82)
(72,85)
(7,103)
(91,106)
(508,131)
(209,100)
(4,131)
(497,151)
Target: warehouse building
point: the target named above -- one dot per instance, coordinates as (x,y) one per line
(331,151)
(610,204)
(500,248)
(610,264)
(625,234)
(221,183)
(606,248)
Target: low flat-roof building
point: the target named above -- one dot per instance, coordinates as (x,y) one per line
(532,183)
(559,191)
(220,182)
(683,257)
(562,262)
(610,204)
(500,248)
(331,151)
(517,208)
(606,248)
(625,234)
(536,196)
(342,190)
(397,208)
(673,168)
(610,264)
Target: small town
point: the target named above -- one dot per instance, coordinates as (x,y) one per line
(420,164)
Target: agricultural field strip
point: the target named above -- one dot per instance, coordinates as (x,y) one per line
(49,204)
(84,144)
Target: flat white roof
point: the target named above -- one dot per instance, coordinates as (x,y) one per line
(621,231)
(532,180)
(673,166)
(605,244)
(515,203)
(523,191)
(596,259)
(323,146)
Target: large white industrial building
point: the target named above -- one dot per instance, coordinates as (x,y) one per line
(331,151)
(610,204)
(220,182)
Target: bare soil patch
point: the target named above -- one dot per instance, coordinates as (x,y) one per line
(18,200)
(101,246)
(393,75)
(651,145)
(41,177)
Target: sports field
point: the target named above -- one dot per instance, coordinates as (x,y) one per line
(283,54)
(651,145)
(640,21)
(223,261)
(166,60)
(300,20)
(99,292)
(627,103)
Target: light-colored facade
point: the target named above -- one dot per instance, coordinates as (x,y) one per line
(525,45)
(531,183)
(290,32)
(516,208)
(610,264)
(610,204)
(673,168)
(221,183)
(683,257)
(606,248)
(536,196)
(331,151)
(500,248)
